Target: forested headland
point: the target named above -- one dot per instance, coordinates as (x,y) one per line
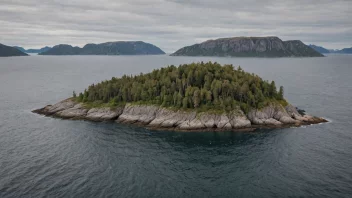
(270,46)
(201,86)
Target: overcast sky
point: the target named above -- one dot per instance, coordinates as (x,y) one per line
(172,24)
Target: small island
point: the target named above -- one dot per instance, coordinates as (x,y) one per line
(198,96)
(7,51)
(109,48)
(271,46)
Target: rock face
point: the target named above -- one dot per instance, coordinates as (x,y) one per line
(139,113)
(103,114)
(6,51)
(156,117)
(249,47)
(271,115)
(109,48)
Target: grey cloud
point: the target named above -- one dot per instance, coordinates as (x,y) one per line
(171,24)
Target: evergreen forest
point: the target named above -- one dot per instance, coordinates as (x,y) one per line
(200,85)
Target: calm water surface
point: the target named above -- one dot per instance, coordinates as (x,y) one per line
(46,157)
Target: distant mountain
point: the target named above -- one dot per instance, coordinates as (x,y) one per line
(109,48)
(326,51)
(33,51)
(320,49)
(344,51)
(6,51)
(249,47)
(62,49)
(37,51)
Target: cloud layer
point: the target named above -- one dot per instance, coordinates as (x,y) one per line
(172,24)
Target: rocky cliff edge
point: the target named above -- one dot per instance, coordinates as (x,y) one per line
(272,116)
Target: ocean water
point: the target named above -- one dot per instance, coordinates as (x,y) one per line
(47,157)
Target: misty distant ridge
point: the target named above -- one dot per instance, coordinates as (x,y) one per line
(108,48)
(329,51)
(271,46)
(33,51)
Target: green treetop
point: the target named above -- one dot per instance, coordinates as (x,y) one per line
(189,86)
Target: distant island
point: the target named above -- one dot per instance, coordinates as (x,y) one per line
(329,51)
(249,47)
(33,51)
(6,51)
(109,48)
(197,96)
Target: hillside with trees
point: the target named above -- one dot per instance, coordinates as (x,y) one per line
(109,48)
(270,46)
(191,86)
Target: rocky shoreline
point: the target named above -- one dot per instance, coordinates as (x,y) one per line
(154,117)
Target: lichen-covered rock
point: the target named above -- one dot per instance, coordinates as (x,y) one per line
(168,118)
(164,115)
(238,119)
(227,126)
(60,106)
(208,120)
(197,124)
(282,116)
(77,111)
(104,114)
(223,120)
(272,121)
(293,113)
(138,113)
(191,125)
(273,115)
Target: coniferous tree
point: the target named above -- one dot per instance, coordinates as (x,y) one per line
(281,93)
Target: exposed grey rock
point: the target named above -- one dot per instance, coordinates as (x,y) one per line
(282,116)
(273,115)
(164,115)
(208,120)
(196,124)
(191,125)
(78,111)
(60,106)
(227,126)
(169,118)
(238,119)
(104,114)
(271,121)
(223,120)
(293,113)
(138,113)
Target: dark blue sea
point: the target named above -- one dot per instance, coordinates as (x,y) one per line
(47,157)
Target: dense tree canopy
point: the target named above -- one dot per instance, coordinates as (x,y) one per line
(189,86)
